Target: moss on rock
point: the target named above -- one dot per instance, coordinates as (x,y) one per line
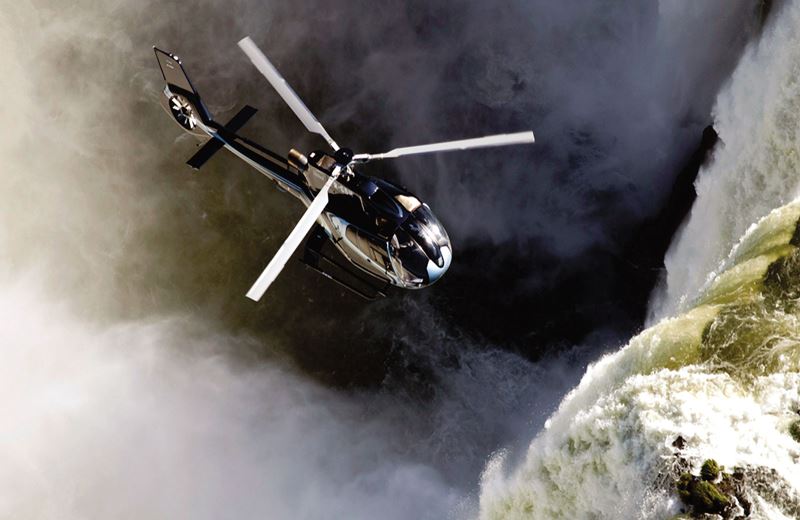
(710,470)
(794,430)
(701,496)
(707,498)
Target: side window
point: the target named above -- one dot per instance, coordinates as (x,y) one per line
(370,248)
(379,256)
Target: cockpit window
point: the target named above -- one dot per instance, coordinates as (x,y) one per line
(419,242)
(426,219)
(424,238)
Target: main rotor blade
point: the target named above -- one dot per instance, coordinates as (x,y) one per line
(289,96)
(464,144)
(291,243)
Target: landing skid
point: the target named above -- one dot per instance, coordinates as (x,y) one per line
(316,260)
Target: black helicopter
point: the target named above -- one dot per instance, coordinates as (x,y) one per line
(379,227)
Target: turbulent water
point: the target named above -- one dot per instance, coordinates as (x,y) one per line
(724,373)
(129,387)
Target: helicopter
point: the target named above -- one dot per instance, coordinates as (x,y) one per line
(388,234)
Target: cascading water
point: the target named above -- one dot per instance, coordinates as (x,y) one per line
(754,169)
(724,375)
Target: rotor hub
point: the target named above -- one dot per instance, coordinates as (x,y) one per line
(343,156)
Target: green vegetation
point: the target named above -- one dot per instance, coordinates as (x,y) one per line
(710,470)
(701,495)
(794,430)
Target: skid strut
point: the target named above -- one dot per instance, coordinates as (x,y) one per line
(314,258)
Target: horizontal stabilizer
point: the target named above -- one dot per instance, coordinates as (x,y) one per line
(211,147)
(241,117)
(216,143)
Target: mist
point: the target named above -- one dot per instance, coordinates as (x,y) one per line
(153,420)
(137,380)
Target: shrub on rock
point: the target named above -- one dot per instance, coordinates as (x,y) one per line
(710,470)
(701,495)
(794,430)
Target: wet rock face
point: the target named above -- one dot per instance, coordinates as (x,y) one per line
(772,487)
(729,496)
(701,496)
(712,494)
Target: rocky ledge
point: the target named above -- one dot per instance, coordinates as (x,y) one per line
(717,494)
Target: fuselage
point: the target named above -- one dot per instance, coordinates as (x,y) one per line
(379,227)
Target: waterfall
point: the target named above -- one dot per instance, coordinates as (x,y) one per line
(754,169)
(723,372)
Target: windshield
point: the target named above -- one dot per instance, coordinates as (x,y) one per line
(431,224)
(424,238)
(420,248)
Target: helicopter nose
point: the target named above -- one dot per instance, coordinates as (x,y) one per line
(434,271)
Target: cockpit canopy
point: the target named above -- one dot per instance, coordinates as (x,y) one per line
(418,245)
(422,250)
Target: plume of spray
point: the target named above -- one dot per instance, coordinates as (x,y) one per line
(153,420)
